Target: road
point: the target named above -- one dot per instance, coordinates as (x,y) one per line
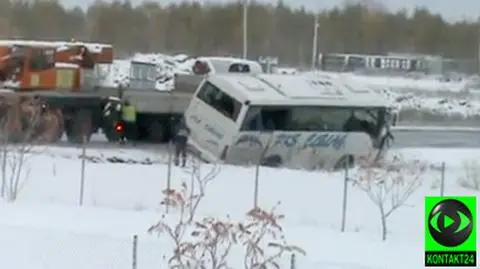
(438,137)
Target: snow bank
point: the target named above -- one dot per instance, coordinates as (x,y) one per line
(425,83)
(167,67)
(426,98)
(428,109)
(417,105)
(115,75)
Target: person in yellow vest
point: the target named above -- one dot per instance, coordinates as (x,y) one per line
(129,117)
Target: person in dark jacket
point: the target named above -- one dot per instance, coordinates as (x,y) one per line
(182,132)
(353,124)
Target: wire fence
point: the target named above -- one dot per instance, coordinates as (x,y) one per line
(470,180)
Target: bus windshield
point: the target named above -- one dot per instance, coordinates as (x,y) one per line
(315,118)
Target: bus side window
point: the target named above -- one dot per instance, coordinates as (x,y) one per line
(268,118)
(324,119)
(220,101)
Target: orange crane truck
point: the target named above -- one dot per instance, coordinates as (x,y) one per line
(56,82)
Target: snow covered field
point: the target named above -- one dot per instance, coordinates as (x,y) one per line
(46,228)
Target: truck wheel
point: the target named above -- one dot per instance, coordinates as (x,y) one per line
(108,129)
(157,132)
(112,135)
(78,126)
(61,125)
(50,128)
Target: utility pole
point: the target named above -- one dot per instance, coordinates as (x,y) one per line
(245,29)
(315,42)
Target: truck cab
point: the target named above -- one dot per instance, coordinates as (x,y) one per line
(205,66)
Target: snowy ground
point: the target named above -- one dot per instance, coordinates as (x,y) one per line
(47,229)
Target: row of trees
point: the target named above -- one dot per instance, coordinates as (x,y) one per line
(275,30)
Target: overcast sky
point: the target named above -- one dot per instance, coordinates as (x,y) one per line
(452,10)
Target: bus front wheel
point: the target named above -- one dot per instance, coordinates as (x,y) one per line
(346,161)
(272,161)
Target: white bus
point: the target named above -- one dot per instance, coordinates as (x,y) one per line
(302,121)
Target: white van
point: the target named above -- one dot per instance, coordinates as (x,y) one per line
(205,66)
(225,65)
(302,121)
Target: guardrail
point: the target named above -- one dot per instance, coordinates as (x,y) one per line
(407,128)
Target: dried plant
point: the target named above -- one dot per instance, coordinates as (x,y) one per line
(264,240)
(206,242)
(389,184)
(186,201)
(17,137)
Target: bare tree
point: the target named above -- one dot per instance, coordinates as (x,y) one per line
(206,242)
(471,177)
(389,185)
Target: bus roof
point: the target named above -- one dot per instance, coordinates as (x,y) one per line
(311,90)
